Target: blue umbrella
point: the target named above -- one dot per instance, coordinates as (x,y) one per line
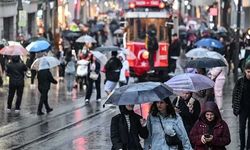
(209,42)
(139,93)
(38,46)
(189,82)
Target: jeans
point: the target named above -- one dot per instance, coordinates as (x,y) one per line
(12,90)
(244,116)
(90,88)
(70,79)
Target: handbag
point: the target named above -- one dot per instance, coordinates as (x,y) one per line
(170,140)
(93,75)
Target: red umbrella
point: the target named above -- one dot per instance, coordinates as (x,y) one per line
(13,50)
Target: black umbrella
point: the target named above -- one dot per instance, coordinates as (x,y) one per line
(97,27)
(205,63)
(139,93)
(70,35)
(107,48)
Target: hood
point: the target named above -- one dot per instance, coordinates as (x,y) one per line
(211,107)
(15,59)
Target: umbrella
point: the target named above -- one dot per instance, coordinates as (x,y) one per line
(107,48)
(182,28)
(139,93)
(129,54)
(197,52)
(45,62)
(10,43)
(209,42)
(189,82)
(70,35)
(118,31)
(86,39)
(222,29)
(205,63)
(97,27)
(100,57)
(13,50)
(38,46)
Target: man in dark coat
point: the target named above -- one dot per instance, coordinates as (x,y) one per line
(188,108)
(174,50)
(44,79)
(126,128)
(112,71)
(15,71)
(210,131)
(152,46)
(241,105)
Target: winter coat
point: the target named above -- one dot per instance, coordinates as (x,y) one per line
(15,70)
(97,68)
(44,79)
(238,95)
(220,131)
(188,113)
(171,126)
(120,136)
(113,68)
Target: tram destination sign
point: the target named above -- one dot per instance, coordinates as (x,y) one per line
(146,3)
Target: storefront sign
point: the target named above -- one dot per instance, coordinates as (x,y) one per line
(22,18)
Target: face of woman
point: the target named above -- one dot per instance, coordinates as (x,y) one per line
(209,116)
(161,106)
(130,107)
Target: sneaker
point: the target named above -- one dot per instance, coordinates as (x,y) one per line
(151,71)
(8,111)
(49,110)
(40,113)
(17,111)
(86,101)
(98,100)
(69,93)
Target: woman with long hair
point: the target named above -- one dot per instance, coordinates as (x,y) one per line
(164,121)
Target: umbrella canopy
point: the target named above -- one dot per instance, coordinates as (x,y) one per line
(100,57)
(197,52)
(222,29)
(38,46)
(10,43)
(118,31)
(82,62)
(13,50)
(107,48)
(139,93)
(86,39)
(70,35)
(97,27)
(45,62)
(209,42)
(205,63)
(189,82)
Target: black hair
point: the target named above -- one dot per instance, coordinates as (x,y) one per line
(114,53)
(15,59)
(247,65)
(169,110)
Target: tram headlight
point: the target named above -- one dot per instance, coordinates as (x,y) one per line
(145,55)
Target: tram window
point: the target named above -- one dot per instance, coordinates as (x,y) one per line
(161,33)
(141,29)
(131,29)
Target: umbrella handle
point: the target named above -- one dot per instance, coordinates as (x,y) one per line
(141,109)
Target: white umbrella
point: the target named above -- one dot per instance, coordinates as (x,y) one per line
(197,52)
(100,57)
(118,31)
(46,62)
(86,39)
(14,43)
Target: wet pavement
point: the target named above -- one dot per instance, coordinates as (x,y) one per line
(72,124)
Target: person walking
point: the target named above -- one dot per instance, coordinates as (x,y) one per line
(188,108)
(126,128)
(15,70)
(152,46)
(174,51)
(45,78)
(93,75)
(112,72)
(164,122)
(218,75)
(241,105)
(123,79)
(210,132)
(33,72)
(70,71)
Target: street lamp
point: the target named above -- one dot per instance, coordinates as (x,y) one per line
(19,8)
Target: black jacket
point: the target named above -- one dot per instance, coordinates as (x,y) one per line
(113,68)
(97,68)
(16,73)
(189,118)
(44,79)
(120,136)
(238,95)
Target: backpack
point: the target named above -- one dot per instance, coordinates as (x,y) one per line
(82,70)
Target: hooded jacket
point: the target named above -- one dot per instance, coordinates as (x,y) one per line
(123,139)
(218,128)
